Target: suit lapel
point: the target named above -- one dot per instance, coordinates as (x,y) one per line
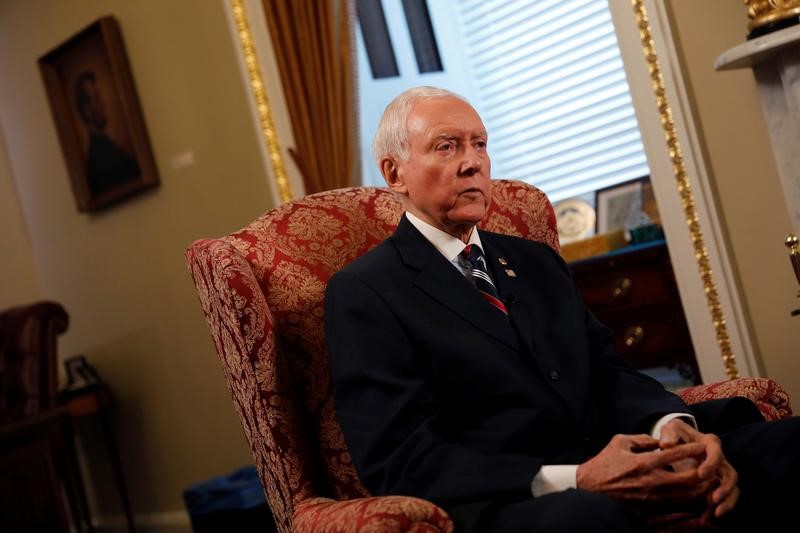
(442,281)
(518,291)
(512,289)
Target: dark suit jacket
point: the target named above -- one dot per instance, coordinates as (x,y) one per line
(439,396)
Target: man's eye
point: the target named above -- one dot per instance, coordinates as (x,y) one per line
(445,147)
(480,145)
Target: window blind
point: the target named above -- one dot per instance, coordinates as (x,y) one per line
(552,91)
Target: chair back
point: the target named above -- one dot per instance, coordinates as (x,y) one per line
(28,359)
(262,290)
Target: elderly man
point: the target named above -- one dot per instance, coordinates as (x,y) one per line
(502,399)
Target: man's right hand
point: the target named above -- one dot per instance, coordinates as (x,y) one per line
(634,469)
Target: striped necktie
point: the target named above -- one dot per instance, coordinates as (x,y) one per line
(481,278)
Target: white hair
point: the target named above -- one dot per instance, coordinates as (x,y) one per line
(391,139)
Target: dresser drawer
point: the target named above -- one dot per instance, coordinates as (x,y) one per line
(650,336)
(623,287)
(633,292)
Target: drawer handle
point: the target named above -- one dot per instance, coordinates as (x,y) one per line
(622,288)
(633,336)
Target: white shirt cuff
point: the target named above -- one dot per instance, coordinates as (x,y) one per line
(656,432)
(554,478)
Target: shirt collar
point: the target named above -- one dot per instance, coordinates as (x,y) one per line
(447,245)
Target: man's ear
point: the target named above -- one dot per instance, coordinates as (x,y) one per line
(392,174)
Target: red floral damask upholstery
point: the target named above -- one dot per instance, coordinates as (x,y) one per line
(390,514)
(262,290)
(770,397)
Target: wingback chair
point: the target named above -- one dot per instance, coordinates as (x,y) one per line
(262,290)
(38,461)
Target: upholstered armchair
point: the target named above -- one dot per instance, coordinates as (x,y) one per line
(38,460)
(262,290)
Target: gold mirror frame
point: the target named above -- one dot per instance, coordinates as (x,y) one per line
(668,125)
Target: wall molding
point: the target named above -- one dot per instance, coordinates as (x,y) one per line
(267,103)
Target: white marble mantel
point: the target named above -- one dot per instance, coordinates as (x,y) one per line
(763,48)
(775,60)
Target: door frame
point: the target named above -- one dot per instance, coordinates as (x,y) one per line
(700,254)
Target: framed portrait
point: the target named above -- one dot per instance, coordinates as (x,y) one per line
(613,204)
(98,117)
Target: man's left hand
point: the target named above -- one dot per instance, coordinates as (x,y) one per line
(723,497)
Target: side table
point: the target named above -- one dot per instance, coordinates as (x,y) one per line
(97,400)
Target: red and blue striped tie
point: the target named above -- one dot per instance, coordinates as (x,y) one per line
(480,276)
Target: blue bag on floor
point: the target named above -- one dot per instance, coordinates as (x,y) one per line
(227,503)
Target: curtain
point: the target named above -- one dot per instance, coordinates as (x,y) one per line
(313,45)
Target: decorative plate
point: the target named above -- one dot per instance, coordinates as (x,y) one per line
(575,219)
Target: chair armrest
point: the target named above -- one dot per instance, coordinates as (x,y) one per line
(391,514)
(34,426)
(770,397)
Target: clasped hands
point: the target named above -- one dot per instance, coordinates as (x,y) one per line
(683,467)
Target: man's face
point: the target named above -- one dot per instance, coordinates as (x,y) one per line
(93,110)
(446,178)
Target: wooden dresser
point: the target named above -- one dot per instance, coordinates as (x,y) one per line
(633,292)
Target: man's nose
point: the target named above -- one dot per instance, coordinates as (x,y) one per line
(470,164)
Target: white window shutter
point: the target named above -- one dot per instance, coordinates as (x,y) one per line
(552,92)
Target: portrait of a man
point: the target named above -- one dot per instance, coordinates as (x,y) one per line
(107,163)
(98,117)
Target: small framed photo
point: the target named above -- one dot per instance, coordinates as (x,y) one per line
(97,116)
(80,374)
(614,204)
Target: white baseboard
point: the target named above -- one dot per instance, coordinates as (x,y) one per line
(164,522)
